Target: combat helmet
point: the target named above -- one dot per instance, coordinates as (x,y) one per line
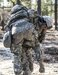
(49,21)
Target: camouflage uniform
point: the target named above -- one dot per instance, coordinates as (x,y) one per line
(22,43)
(23,59)
(17,50)
(40,31)
(41,24)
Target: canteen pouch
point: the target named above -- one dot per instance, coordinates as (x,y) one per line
(7,39)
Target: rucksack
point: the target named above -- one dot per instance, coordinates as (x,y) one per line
(19,27)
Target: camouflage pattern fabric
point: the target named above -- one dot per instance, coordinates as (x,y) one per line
(21,34)
(41,24)
(17,59)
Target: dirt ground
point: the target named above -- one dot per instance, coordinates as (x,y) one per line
(6,61)
(6,65)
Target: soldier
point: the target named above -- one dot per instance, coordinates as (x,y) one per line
(41,24)
(21,44)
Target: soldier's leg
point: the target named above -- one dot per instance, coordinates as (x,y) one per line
(17,65)
(42,69)
(17,61)
(25,63)
(29,57)
(39,57)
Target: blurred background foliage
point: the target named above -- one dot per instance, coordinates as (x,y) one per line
(47,6)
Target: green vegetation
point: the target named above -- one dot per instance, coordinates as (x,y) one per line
(47,7)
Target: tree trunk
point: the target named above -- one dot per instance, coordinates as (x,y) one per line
(56,14)
(39,6)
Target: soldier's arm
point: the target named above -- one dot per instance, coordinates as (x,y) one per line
(42,36)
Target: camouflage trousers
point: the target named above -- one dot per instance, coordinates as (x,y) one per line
(23,62)
(27,61)
(39,56)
